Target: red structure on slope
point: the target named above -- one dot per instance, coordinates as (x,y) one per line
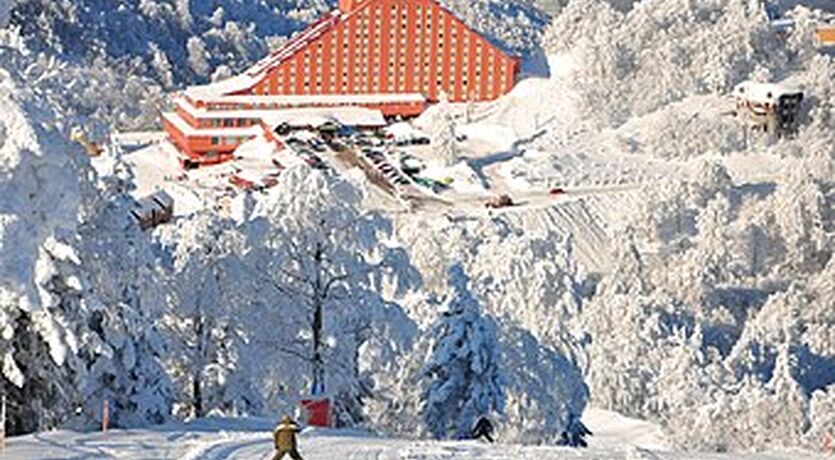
(388,55)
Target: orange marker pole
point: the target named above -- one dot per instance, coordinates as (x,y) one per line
(105,415)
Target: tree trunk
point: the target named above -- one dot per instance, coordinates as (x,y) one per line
(197,377)
(318,385)
(318,362)
(197,394)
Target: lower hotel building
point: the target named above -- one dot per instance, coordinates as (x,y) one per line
(390,56)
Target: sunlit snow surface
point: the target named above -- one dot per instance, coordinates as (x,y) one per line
(616,437)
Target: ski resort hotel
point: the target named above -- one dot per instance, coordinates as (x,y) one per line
(362,62)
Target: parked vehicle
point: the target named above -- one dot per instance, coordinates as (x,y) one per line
(500,201)
(317,145)
(283,129)
(313,160)
(410,165)
(295,143)
(556,191)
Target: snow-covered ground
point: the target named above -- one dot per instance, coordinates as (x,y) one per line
(616,437)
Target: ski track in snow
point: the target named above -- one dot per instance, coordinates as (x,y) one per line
(618,438)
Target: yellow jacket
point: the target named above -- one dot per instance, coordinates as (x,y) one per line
(285,436)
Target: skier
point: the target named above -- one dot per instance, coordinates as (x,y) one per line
(285,439)
(483,428)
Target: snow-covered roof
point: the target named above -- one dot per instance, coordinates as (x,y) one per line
(304,135)
(234,84)
(153,202)
(189,130)
(315,117)
(258,147)
(298,100)
(761,93)
(404,131)
(163,198)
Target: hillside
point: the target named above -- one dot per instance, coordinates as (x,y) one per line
(658,261)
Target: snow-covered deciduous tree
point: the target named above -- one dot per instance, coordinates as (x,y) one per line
(207,346)
(732,42)
(462,375)
(323,261)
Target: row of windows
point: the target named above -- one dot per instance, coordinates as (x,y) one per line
(365,47)
(362,59)
(229,140)
(362,66)
(228,123)
(319,78)
(420,84)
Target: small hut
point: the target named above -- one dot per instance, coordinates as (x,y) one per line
(767,106)
(154,209)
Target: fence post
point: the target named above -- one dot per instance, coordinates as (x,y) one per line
(105,415)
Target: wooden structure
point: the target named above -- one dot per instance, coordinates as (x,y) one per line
(153,210)
(769,107)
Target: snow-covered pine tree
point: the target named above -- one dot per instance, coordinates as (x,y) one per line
(800,210)
(444,141)
(122,348)
(462,376)
(198,56)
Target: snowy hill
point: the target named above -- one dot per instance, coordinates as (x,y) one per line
(682,276)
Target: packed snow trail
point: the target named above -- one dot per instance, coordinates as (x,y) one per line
(333,445)
(616,437)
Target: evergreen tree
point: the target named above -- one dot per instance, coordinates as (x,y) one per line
(462,374)
(444,142)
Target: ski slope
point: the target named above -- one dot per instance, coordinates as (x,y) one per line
(616,437)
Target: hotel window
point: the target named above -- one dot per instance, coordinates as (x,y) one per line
(215,141)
